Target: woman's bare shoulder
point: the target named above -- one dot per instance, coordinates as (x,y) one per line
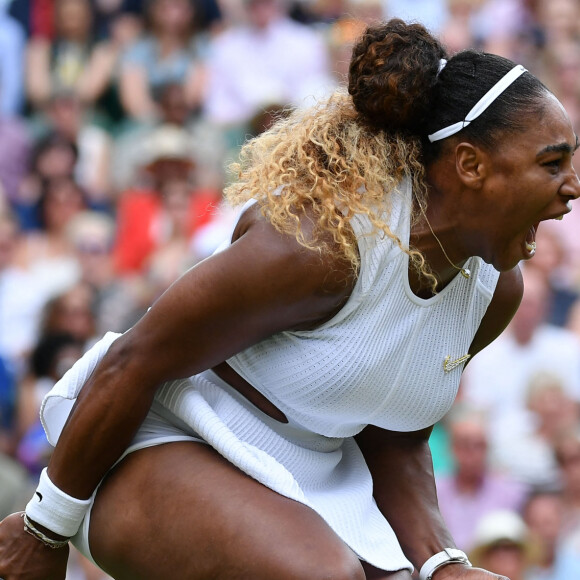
(264,282)
(326,268)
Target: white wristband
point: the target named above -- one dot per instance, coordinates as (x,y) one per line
(55,510)
(447,556)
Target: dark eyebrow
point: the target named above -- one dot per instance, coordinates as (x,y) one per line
(560,148)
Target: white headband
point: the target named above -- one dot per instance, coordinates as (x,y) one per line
(481,105)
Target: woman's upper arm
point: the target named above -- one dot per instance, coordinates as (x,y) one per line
(265,282)
(503,306)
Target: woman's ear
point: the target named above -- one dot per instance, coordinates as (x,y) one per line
(472,165)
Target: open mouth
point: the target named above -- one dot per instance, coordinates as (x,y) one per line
(530,241)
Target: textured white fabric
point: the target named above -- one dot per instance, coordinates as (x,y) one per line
(380,361)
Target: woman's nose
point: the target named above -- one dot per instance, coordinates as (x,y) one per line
(571,187)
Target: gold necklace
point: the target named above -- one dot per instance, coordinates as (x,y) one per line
(465,272)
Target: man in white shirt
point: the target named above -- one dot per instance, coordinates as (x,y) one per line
(270,59)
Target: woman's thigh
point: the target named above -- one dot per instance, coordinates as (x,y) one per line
(181,511)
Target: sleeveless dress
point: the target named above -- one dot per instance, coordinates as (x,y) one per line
(388,358)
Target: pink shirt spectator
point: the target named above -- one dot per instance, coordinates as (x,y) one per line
(462,511)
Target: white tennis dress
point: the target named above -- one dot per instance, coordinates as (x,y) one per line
(388,358)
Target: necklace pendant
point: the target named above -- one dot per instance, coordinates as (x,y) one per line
(465,272)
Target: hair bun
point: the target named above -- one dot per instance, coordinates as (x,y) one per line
(392,73)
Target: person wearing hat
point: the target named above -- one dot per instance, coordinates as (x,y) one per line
(503,545)
(167,207)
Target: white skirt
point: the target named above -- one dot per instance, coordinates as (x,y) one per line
(327,474)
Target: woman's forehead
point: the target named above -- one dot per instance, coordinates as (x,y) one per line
(547,130)
(554,113)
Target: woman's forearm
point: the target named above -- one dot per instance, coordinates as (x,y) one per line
(404,489)
(106,415)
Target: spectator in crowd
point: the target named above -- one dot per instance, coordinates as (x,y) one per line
(35,16)
(508,27)
(117,302)
(167,213)
(458,31)
(342,33)
(108,13)
(206,144)
(559,22)
(474,489)
(53,157)
(61,63)
(567,451)
(52,356)
(171,51)
(490,25)
(552,261)
(66,117)
(497,379)
(47,253)
(543,513)
(115,31)
(503,545)
(20,303)
(527,452)
(71,312)
(266,59)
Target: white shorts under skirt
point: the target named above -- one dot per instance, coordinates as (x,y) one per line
(327,474)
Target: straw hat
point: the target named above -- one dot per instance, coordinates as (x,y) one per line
(167,143)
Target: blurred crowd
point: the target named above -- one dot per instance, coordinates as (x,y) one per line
(118,119)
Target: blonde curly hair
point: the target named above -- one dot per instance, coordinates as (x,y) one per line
(325,159)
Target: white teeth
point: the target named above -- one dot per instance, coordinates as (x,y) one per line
(531,248)
(569,205)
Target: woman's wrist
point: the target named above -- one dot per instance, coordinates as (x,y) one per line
(48,538)
(442,559)
(53,510)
